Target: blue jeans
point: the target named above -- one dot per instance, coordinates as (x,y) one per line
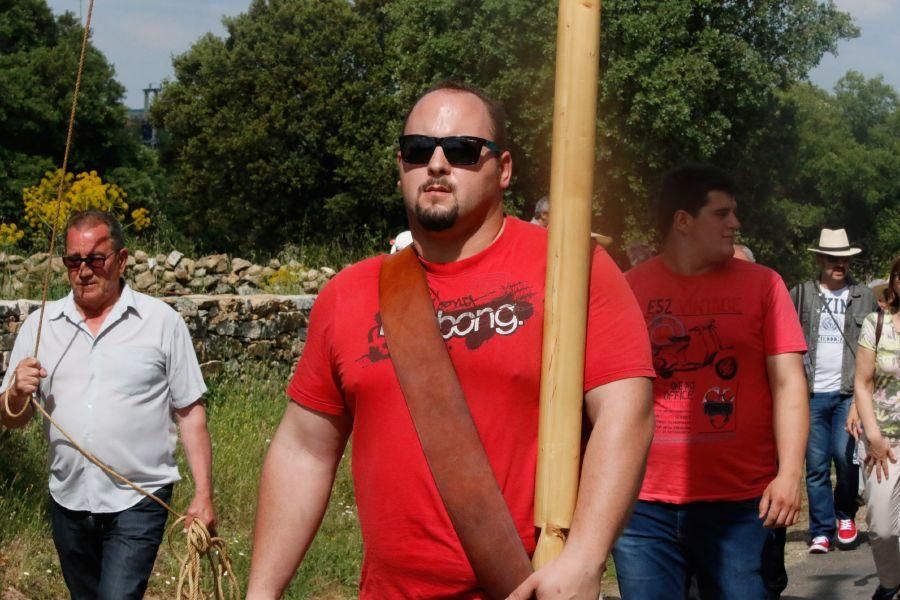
(828,441)
(109,556)
(721,542)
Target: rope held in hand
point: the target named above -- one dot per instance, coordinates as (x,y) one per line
(199,540)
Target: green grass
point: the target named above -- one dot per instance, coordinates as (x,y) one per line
(244,410)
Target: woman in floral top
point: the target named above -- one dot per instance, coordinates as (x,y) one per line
(877,399)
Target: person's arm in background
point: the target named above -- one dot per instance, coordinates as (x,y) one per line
(297,477)
(854,422)
(780,503)
(878,449)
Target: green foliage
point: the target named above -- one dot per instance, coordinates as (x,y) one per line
(285,129)
(284,122)
(38,64)
(839,167)
(295,112)
(696,80)
(506,47)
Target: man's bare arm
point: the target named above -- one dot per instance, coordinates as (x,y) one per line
(198,449)
(294,489)
(611,475)
(780,504)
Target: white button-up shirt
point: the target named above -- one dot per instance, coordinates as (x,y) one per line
(114,393)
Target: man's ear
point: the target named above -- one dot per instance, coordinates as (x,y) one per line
(681,221)
(505,167)
(122,255)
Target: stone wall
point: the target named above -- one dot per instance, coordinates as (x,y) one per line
(174,274)
(224,328)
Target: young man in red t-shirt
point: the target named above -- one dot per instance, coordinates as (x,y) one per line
(485,273)
(729,400)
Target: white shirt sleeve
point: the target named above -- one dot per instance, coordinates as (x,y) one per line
(182,369)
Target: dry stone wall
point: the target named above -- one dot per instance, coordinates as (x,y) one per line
(173,274)
(224,328)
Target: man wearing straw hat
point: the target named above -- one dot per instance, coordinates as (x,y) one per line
(832,308)
(117,370)
(730,404)
(485,275)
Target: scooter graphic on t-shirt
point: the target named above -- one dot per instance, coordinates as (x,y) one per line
(678,349)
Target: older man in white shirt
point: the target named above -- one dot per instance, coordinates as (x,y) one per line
(117,370)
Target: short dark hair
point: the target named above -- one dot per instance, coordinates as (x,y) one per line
(890,296)
(686,188)
(97,217)
(495,110)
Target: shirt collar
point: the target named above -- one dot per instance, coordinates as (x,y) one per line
(65,307)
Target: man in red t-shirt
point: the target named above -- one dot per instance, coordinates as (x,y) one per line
(729,400)
(485,273)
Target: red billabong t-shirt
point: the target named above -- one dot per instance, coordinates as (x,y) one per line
(710,335)
(490,309)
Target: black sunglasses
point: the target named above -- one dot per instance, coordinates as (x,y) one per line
(94,261)
(835,260)
(460,150)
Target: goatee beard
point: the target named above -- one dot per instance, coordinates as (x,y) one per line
(436,218)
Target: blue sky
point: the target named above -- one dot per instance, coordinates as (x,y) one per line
(875,52)
(140,37)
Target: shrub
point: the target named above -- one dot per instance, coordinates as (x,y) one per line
(80,192)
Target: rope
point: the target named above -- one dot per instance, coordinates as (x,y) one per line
(199,540)
(62,178)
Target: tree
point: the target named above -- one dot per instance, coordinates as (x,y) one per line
(44,213)
(297,111)
(280,131)
(38,62)
(842,169)
(865,103)
(681,80)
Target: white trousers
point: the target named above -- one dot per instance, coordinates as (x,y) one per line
(883,519)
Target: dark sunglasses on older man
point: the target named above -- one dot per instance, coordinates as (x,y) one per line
(836,260)
(460,150)
(94,261)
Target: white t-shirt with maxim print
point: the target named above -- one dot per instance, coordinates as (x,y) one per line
(830,342)
(886,397)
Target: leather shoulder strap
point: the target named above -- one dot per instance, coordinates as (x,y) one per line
(445,427)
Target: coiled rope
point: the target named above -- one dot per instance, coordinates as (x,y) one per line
(200,542)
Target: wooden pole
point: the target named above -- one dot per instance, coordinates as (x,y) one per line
(568,272)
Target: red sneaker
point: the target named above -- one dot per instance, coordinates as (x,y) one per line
(846,533)
(820,545)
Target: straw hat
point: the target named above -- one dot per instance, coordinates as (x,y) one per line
(834,242)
